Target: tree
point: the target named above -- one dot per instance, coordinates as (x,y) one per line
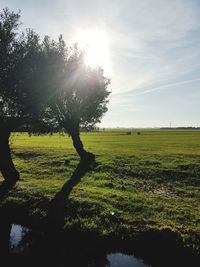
(80,96)
(44,87)
(23,70)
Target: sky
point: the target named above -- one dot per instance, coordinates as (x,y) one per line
(153,48)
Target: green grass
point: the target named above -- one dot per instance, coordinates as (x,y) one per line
(141,182)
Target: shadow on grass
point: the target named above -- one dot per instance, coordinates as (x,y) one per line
(6,186)
(57,206)
(48,248)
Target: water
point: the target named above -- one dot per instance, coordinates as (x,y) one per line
(23,247)
(19,244)
(123,260)
(16,235)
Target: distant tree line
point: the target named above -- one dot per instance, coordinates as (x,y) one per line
(45,87)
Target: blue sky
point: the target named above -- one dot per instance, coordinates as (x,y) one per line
(154,49)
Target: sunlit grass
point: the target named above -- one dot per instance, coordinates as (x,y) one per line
(144,181)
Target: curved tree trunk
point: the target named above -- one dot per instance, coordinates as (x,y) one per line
(78,145)
(7,166)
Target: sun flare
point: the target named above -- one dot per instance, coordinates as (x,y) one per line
(96,46)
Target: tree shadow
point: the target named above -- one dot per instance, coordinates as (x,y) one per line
(6,186)
(5,229)
(58,205)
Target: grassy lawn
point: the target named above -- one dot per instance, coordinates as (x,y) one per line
(140,182)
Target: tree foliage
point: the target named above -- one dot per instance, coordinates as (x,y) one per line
(18,53)
(80,95)
(21,68)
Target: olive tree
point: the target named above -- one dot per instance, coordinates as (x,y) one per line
(80,96)
(23,71)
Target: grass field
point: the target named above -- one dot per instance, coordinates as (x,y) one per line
(140,182)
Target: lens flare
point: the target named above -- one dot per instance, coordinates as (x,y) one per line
(96,46)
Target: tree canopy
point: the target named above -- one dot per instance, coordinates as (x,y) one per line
(21,69)
(80,97)
(19,54)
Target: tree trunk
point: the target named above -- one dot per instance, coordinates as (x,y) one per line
(7,167)
(78,145)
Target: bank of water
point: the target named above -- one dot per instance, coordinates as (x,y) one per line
(22,246)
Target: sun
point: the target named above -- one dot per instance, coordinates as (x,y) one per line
(96,46)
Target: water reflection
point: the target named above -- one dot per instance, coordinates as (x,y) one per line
(16,235)
(122,260)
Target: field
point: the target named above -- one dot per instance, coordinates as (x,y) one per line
(140,182)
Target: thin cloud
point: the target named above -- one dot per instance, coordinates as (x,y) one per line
(165,86)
